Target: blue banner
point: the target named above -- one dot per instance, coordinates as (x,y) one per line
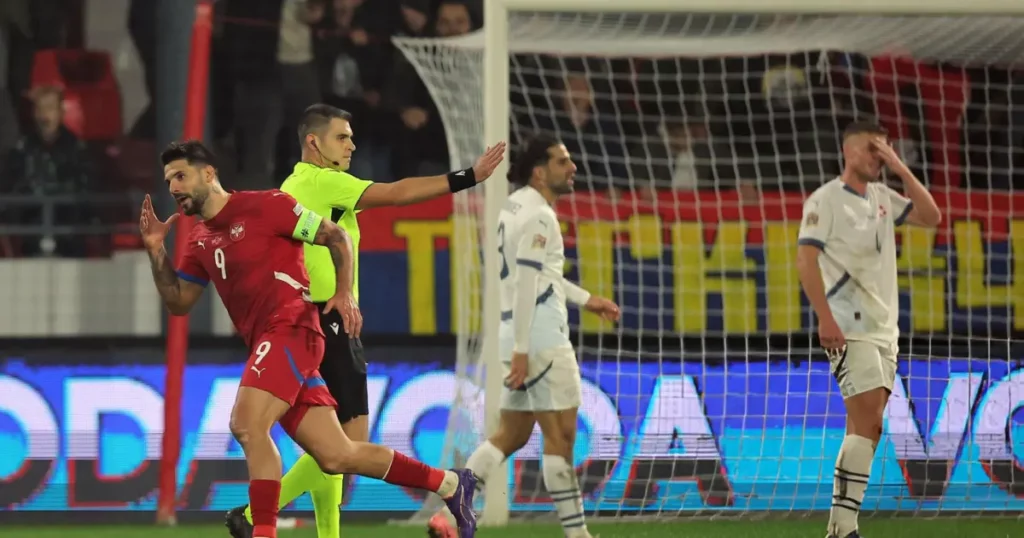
(671,436)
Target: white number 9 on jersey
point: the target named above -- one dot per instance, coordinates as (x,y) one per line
(221,263)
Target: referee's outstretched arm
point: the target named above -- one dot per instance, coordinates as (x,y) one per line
(413,190)
(325,134)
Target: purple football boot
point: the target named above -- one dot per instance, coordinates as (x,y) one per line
(460,504)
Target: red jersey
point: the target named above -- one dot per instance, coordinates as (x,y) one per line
(252,251)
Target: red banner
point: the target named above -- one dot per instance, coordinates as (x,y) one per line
(993,210)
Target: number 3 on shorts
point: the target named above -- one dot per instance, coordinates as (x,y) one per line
(261,351)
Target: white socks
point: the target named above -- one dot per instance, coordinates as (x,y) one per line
(560,481)
(484,459)
(853,466)
(449,484)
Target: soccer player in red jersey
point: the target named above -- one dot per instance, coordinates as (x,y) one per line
(249,244)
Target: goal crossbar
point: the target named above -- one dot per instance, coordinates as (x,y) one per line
(863,7)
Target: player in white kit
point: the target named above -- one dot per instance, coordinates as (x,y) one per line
(542,375)
(846,260)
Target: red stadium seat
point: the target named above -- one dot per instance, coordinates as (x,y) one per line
(92,100)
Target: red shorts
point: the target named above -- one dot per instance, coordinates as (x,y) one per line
(285,362)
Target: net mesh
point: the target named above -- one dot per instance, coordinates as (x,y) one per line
(697,138)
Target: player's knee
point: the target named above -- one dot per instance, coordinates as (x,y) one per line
(245,430)
(240,431)
(339,460)
(559,443)
(509,439)
(865,413)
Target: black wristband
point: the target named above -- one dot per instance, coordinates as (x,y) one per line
(461,180)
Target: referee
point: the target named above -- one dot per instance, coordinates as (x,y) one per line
(321,184)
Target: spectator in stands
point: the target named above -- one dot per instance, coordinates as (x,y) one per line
(300,84)
(595,142)
(420,148)
(13,20)
(251,38)
(142,21)
(355,55)
(415,16)
(50,161)
(454,18)
(676,155)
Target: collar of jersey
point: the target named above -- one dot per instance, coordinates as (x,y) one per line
(536,193)
(214,222)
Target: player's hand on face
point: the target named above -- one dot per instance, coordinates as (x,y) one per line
(351,318)
(831,337)
(603,307)
(517,373)
(153,230)
(487,162)
(888,154)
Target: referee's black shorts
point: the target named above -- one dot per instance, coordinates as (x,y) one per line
(343,367)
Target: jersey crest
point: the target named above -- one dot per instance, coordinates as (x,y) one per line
(237,232)
(539,241)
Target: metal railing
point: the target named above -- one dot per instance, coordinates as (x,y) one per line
(101,214)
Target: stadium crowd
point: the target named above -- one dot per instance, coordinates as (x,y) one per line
(752,123)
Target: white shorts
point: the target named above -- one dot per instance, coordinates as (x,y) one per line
(865,366)
(552,382)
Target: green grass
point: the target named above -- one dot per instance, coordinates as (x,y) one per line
(809,528)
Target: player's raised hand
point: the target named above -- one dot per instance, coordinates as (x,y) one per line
(888,155)
(603,307)
(487,162)
(153,230)
(517,373)
(351,318)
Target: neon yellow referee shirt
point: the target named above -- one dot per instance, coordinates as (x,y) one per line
(327,192)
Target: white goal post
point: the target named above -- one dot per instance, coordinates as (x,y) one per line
(956,31)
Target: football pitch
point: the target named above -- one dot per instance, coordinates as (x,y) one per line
(803,528)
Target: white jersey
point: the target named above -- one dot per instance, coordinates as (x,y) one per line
(533,290)
(857,237)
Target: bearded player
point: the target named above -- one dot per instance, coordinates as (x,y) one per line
(542,376)
(846,260)
(320,182)
(250,245)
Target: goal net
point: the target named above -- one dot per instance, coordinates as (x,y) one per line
(697,138)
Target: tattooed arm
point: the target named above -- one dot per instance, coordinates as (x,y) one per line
(328,234)
(178,290)
(337,241)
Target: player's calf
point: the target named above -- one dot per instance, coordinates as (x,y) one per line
(853,464)
(559,429)
(320,434)
(254,413)
(514,431)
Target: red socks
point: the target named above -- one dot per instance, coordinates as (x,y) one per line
(263,496)
(408,472)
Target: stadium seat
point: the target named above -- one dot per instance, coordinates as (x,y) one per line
(92,100)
